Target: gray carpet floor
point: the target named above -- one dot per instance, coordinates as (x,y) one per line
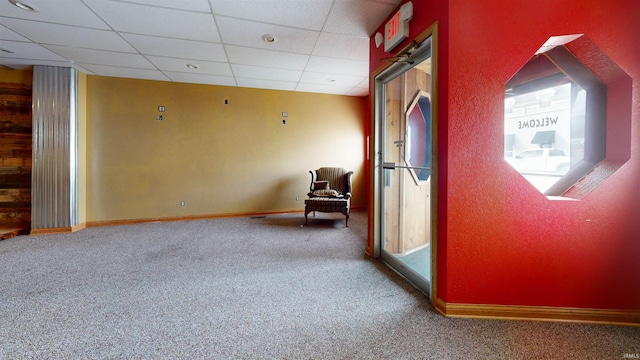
(243,288)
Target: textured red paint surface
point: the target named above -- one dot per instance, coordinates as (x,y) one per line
(499,240)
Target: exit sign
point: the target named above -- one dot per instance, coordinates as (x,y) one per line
(397,28)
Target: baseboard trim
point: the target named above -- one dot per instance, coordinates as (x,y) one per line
(58,230)
(187,218)
(539,313)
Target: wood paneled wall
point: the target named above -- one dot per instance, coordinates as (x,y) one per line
(15,155)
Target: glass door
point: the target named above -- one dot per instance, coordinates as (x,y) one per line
(404,116)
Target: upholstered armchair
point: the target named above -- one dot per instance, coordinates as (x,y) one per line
(330,191)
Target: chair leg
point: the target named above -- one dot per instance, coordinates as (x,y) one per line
(346,221)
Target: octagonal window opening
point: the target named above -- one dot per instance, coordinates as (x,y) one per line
(418,137)
(554,121)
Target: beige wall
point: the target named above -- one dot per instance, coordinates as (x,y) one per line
(82,148)
(220,159)
(24,77)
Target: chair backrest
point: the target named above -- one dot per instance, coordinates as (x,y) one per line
(337,178)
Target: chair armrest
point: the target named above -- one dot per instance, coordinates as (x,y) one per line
(348,183)
(314,176)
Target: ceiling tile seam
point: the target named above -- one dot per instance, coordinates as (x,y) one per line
(120,33)
(196,73)
(333,3)
(362,77)
(50,23)
(116,32)
(224,48)
(257,48)
(269,80)
(166,37)
(114,66)
(265,67)
(45,45)
(98,16)
(266,23)
(182,58)
(165,7)
(324,24)
(168,72)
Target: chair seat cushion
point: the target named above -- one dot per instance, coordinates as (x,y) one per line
(319,200)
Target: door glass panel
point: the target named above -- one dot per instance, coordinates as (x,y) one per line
(405,140)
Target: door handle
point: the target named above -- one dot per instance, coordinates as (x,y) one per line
(393,166)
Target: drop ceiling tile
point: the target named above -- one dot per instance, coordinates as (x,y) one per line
(187,49)
(342,46)
(362,89)
(201,79)
(25,50)
(264,73)
(358,17)
(265,58)
(364,83)
(324,89)
(180,65)
(330,79)
(53,34)
(157,21)
(249,33)
(99,57)
(124,72)
(295,13)
(358,92)
(68,12)
(8,34)
(338,66)
(266,84)
(191,5)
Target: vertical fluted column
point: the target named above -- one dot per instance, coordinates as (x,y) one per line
(54,199)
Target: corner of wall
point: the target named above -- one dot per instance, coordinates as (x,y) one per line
(82,147)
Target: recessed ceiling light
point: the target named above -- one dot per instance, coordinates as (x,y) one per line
(192,66)
(23,5)
(268,38)
(331,80)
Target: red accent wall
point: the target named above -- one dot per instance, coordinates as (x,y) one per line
(499,240)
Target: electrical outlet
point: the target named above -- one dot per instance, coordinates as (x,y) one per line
(159,117)
(297,198)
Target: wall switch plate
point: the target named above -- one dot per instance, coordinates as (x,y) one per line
(161,108)
(285,114)
(181,203)
(297,198)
